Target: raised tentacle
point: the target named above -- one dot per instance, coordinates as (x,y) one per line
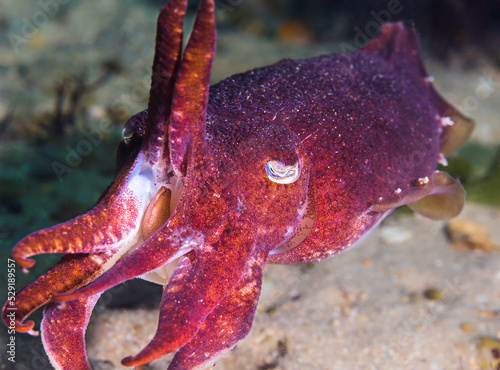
(166,63)
(189,107)
(191,89)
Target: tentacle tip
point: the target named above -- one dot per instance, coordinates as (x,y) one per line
(136,361)
(25,263)
(34,333)
(19,255)
(27,327)
(131,361)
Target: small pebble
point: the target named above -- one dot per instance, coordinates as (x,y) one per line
(468,327)
(434,294)
(470,235)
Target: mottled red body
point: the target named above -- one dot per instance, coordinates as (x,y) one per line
(284,164)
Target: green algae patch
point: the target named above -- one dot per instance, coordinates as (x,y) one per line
(478,168)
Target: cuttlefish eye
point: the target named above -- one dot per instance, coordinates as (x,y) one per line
(128,134)
(282,174)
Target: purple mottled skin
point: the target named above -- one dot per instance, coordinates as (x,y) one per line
(358,154)
(284,164)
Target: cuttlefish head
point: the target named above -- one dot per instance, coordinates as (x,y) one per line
(192,207)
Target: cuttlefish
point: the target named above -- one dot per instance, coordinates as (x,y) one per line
(289,163)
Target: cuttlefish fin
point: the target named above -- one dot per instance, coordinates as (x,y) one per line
(399,46)
(456,126)
(437,197)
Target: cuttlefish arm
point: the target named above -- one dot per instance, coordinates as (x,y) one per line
(65,344)
(228,323)
(76,270)
(95,240)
